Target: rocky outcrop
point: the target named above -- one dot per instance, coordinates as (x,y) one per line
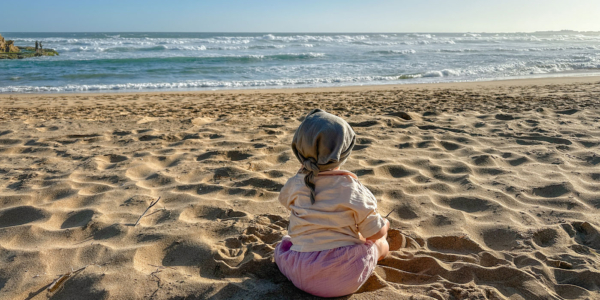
(8,50)
(8,46)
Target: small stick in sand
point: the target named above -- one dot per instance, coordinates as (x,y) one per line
(149,207)
(389,213)
(59,282)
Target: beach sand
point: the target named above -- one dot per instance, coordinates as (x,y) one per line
(498,183)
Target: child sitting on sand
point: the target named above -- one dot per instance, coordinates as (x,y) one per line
(325,253)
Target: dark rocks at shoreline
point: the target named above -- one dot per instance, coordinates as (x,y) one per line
(8,50)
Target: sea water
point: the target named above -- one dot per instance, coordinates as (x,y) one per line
(124,62)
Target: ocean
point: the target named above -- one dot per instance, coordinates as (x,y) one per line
(126,62)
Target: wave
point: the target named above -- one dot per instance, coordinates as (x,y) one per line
(166,47)
(287,56)
(316,38)
(442,73)
(204,84)
(534,49)
(520,68)
(524,39)
(183,59)
(457,50)
(302,39)
(393,52)
(469,74)
(132,49)
(418,35)
(91,39)
(127,43)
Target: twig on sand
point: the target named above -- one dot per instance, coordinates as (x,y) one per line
(158,282)
(60,280)
(389,213)
(149,207)
(160,267)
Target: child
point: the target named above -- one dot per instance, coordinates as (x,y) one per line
(325,253)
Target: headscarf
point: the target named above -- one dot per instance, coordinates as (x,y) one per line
(322,142)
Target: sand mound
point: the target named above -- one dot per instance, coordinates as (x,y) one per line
(499,197)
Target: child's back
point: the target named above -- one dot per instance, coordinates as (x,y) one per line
(342,209)
(326,253)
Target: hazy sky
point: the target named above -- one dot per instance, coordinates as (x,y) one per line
(300,16)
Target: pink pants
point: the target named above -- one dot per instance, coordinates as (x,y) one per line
(328,273)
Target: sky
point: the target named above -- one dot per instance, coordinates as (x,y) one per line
(299,16)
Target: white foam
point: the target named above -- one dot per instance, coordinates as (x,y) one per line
(204,84)
(334,59)
(434,74)
(417,35)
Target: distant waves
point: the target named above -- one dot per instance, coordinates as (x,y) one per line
(168,61)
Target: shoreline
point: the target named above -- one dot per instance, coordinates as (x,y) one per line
(353,88)
(505,96)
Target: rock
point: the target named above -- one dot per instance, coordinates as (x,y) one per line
(8,46)
(8,50)
(11,47)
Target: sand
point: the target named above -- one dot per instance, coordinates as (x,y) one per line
(497,183)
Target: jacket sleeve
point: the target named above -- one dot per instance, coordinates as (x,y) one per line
(368,220)
(285,193)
